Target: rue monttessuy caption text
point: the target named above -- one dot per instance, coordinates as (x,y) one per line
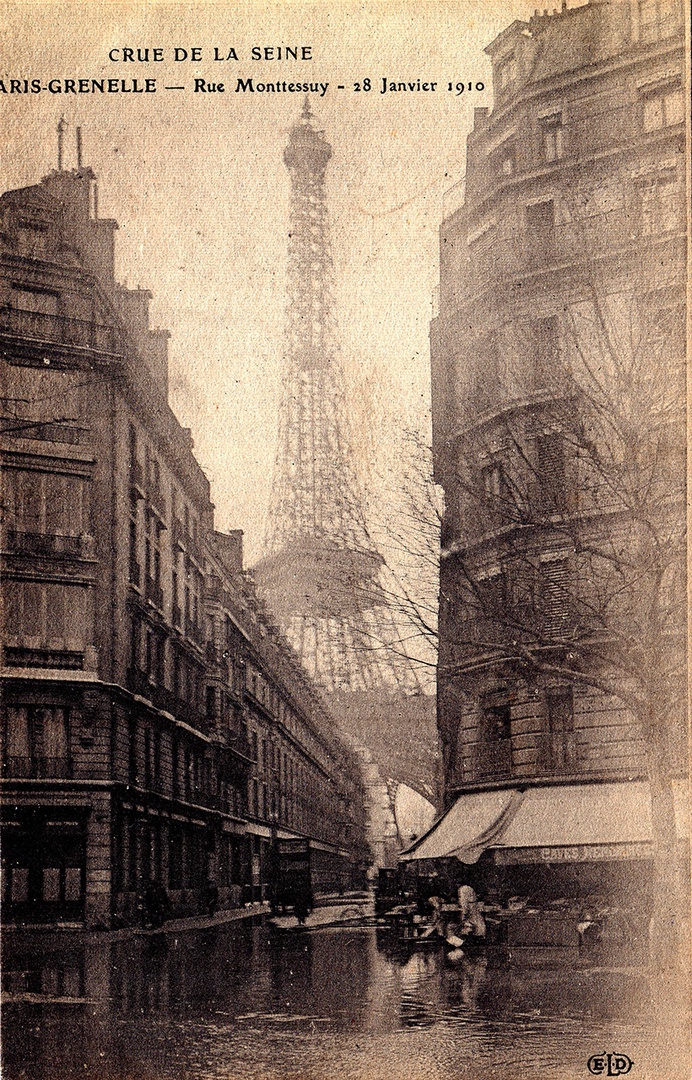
(228,82)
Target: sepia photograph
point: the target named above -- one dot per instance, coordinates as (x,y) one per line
(343,502)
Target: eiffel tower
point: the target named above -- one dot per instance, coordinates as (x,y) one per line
(322,575)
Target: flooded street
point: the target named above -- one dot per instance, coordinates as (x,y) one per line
(246,1000)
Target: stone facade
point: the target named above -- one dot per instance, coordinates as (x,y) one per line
(562,271)
(156,725)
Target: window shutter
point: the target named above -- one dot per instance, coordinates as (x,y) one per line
(550,467)
(556,596)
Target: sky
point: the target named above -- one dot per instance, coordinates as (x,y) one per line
(197,183)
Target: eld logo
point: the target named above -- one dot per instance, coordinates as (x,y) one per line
(609,1064)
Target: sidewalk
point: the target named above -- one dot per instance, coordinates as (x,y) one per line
(199,922)
(329,911)
(171,926)
(331,908)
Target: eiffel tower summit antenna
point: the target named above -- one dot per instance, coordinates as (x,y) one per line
(322,573)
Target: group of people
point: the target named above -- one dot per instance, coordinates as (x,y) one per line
(460,925)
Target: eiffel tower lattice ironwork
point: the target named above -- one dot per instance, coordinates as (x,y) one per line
(322,574)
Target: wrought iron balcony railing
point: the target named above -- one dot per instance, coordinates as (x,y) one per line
(43,658)
(58,329)
(42,768)
(540,754)
(31,543)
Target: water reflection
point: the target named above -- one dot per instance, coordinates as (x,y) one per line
(206,1003)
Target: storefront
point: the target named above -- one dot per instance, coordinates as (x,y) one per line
(44,864)
(558,848)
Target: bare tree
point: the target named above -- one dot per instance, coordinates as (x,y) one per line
(564,538)
(408,539)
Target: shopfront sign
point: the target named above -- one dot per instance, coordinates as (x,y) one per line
(572,853)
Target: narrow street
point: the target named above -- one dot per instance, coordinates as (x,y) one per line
(250,999)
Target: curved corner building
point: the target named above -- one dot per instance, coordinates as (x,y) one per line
(558,427)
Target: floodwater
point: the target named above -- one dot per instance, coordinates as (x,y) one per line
(244,1001)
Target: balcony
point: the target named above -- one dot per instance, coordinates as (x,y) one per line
(67,434)
(156,784)
(52,544)
(44,658)
(37,768)
(58,329)
(541,247)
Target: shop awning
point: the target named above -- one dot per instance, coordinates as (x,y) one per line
(574,821)
(585,822)
(468,828)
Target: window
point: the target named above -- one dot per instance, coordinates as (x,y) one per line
(47,616)
(487,370)
(148,758)
(34,237)
(134,464)
(657,19)
(36,741)
(663,109)
(134,546)
(46,504)
(561,744)
(552,142)
(175,590)
(132,750)
(493,480)
(555,595)
(175,767)
(550,471)
(55,734)
(661,206)
(499,504)
(507,72)
(506,159)
(187,773)
(175,865)
(662,320)
(494,750)
(149,649)
(492,594)
(540,231)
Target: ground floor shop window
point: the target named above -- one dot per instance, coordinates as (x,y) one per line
(44,866)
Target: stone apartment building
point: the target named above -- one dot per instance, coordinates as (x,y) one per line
(155,725)
(561,308)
